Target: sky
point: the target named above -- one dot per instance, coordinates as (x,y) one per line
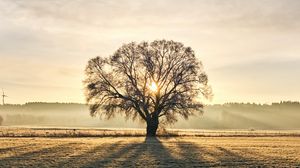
(250,49)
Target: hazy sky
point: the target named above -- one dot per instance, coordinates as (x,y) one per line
(250,49)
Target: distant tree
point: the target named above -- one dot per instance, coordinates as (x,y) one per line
(154,82)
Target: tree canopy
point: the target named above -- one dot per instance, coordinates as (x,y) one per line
(156,81)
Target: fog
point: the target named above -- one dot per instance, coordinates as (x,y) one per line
(284,115)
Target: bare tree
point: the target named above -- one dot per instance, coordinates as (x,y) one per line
(154,82)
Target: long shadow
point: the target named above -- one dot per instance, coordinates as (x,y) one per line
(150,153)
(197,155)
(156,154)
(8,149)
(84,158)
(153,153)
(194,155)
(37,158)
(99,156)
(103,155)
(114,158)
(230,158)
(271,160)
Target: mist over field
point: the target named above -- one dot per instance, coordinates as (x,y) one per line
(139,83)
(284,115)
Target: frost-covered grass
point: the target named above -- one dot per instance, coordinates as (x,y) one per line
(184,151)
(84,132)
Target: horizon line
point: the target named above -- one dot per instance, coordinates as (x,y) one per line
(45,102)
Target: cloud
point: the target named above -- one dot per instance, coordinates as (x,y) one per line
(122,14)
(49,42)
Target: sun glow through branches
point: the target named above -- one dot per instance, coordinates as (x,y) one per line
(153,87)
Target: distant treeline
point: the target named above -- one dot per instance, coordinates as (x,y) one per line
(43,106)
(281,115)
(37,106)
(292,104)
(283,106)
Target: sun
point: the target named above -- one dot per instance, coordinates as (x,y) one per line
(153,87)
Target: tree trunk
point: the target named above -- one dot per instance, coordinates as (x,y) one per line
(152,125)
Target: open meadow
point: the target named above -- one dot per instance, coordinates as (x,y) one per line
(160,83)
(138,151)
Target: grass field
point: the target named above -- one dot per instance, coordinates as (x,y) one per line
(109,132)
(152,152)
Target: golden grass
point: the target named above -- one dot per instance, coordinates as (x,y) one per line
(67,132)
(151,152)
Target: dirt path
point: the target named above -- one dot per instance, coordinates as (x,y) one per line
(141,152)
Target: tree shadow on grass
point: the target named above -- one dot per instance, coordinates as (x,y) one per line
(98,156)
(213,156)
(43,157)
(269,159)
(231,158)
(218,156)
(152,152)
(13,148)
